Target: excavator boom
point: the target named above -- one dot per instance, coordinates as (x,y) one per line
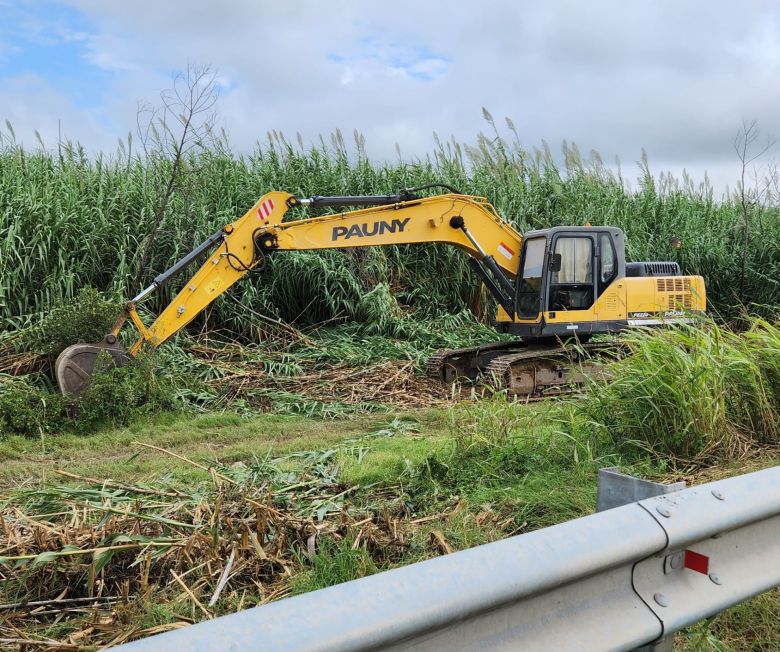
(246,242)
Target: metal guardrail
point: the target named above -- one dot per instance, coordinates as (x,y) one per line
(614,580)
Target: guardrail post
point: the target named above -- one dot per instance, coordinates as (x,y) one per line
(616,489)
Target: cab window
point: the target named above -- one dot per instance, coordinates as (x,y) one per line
(608,258)
(608,270)
(576,260)
(571,286)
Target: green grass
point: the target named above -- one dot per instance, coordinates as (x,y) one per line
(203,438)
(751,625)
(689,392)
(333,563)
(468,474)
(476,473)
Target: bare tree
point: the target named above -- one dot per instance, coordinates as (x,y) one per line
(182,123)
(748,151)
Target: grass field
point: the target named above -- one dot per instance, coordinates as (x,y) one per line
(227,437)
(140,500)
(425,459)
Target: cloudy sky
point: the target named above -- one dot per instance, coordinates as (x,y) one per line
(677,78)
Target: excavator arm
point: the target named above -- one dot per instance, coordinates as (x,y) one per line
(467,222)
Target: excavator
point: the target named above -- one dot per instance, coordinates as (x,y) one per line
(552,286)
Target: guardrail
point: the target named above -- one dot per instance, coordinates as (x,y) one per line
(614,580)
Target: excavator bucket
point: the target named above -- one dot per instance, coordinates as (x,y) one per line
(75,364)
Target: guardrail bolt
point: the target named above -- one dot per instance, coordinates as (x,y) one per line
(661,599)
(715,578)
(664,511)
(718,495)
(674,562)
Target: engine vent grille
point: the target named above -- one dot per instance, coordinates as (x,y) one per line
(659,269)
(653,268)
(676,284)
(680,301)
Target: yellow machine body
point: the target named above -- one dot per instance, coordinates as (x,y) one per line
(546,287)
(645,301)
(626,302)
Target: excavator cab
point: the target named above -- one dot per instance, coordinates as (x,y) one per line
(566,269)
(575,281)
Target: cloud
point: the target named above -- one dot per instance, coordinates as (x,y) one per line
(111,53)
(32,104)
(674,78)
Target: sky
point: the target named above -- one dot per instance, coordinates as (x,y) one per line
(677,78)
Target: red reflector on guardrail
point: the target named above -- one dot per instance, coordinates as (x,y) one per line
(697,562)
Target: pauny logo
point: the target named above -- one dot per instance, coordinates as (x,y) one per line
(366,230)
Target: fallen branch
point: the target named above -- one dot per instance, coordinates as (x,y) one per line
(49,643)
(188,461)
(223,578)
(46,603)
(90,551)
(186,588)
(119,485)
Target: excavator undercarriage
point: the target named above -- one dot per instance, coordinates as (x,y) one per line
(530,371)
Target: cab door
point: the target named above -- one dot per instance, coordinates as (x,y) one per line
(530,286)
(572,288)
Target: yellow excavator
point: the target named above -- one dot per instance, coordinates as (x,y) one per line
(551,285)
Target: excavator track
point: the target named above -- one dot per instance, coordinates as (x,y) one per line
(533,372)
(467,363)
(541,372)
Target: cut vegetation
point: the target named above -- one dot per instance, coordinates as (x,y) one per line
(138,530)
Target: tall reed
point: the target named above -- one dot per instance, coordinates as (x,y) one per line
(71,221)
(691,391)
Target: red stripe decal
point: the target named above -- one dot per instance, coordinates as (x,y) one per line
(265,209)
